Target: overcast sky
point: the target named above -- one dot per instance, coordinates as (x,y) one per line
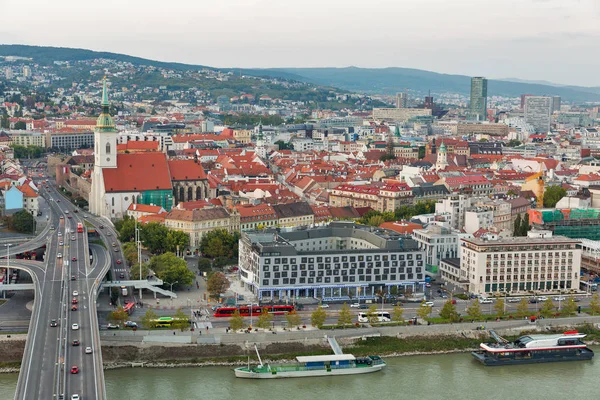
(554,40)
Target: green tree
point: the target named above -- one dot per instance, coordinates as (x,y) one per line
(552,195)
(547,308)
(265,319)
(448,311)
(372,314)
(126,229)
(22,221)
(119,315)
(517,226)
(293,319)
(318,317)
(181,320)
(114,295)
(130,253)
(217,284)
(474,311)
(375,220)
(523,308)
(421,152)
(570,306)
(220,243)
(154,237)
(525,225)
(178,272)
(204,265)
(345,317)
(149,319)
(176,240)
(134,271)
(20,126)
(237,321)
(398,314)
(594,304)
(283,145)
(513,143)
(424,311)
(499,307)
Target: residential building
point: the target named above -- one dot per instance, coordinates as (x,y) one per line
(538,112)
(294,214)
(27,138)
(437,243)
(454,207)
(521,265)
(340,261)
(478,105)
(13,200)
(518,206)
(502,218)
(196,223)
(399,114)
(30,199)
(256,216)
(401,100)
(477,218)
(386,197)
(69,140)
(137,211)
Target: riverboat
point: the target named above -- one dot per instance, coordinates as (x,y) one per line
(311,366)
(531,349)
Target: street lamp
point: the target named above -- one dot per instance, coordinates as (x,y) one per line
(7,267)
(174,283)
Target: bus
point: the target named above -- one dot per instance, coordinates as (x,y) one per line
(79,227)
(256,310)
(124,291)
(129,308)
(382,316)
(588,286)
(164,322)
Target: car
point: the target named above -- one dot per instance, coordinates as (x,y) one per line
(108,234)
(324,305)
(74,259)
(74,301)
(74,369)
(75,211)
(46,186)
(58,200)
(559,298)
(116,249)
(72,237)
(542,298)
(70,217)
(75,293)
(53,323)
(61,243)
(355,305)
(533,300)
(428,284)
(444,296)
(88,350)
(485,300)
(75,342)
(114,244)
(101,226)
(513,300)
(66,211)
(75,397)
(84,216)
(131,324)
(75,327)
(121,275)
(59,255)
(73,308)
(576,299)
(121,262)
(59,234)
(111,326)
(428,304)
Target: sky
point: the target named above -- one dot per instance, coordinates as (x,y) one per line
(553,40)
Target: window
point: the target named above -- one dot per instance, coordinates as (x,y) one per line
(107,147)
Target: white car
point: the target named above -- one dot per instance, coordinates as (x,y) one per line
(59,255)
(428,304)
(75,293)
(559,298)
(88,350)
(542,298)
(75,397)
(72,237)
(514,300)
(484,300)
(75,327)
(355,305)
(61,243)
(324,305)
(108,234)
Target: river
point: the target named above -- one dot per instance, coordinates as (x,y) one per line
(452,376)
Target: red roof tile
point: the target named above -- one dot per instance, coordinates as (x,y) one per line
(138,172)
(186,170)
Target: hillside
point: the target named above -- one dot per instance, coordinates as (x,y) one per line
(392,80)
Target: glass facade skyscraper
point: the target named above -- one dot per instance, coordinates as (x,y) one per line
(478,107)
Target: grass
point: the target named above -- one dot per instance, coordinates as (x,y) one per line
(98,242)
(2,301)
(389,345)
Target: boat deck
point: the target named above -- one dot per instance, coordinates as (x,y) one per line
(269,369)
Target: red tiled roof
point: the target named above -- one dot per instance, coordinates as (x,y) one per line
(138,172)
(27,191)
(247,210)
(186,170)
(138,145)
(145,208)
(403,227)
(159,218)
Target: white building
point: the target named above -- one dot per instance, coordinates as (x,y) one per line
(437,243)
(477,218)
(454,207)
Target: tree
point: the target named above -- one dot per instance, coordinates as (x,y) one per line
(547,308)
(134,271)
(126,229)
(345,317)
(265,319)
(376,220)
(149,319)
(154,237)
(424,311)
(570,306)
(517,226)
(449,311)
(176,241)
(525,225)
(114,295)
(594,304)
(553,194)
(293,319)
(217,284)
(119,315)
(22,222)
(499,307)
(372,314)
(204,265)
(237,321)
(513,143)
(474,311)
(20,126)
(318,317)
(130,253)
(523,308)
(177,272)
(180,320)
(220,243)
(397,314)
(283,145)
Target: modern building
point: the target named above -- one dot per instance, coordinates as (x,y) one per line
(477,218)
(538,112)
(520,265)
(399,114)
(556,103)
(340,261)
(454,208)
(70,140)
(437,242)
(402,100)
(478,105)
(27,138)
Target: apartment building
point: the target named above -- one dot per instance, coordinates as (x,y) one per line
(437,243)
(387,197)
(197,223)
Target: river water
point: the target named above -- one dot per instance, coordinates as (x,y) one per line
(453,376)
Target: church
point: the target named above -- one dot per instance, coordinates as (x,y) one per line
(122,179)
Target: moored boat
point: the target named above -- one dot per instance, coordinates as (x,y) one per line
(531,349)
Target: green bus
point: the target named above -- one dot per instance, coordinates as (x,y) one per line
(164,322)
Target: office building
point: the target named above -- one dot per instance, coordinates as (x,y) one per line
(478,106)
(555,104)
(523,97)
(437,242)
(538,112)
(541,264)
(339,261)
(399,114)
(401,100)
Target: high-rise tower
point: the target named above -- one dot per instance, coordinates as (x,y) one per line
(478,106)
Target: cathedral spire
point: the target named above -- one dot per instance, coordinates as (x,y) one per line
(104,95)
(105,123)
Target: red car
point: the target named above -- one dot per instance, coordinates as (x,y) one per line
(74,369)
(74,308)
(74,259)
(74,301)
(70,217)
(119,262)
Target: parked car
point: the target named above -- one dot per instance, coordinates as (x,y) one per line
(324,305)
(111,326)
(355,305)
(513,300)
(559,298)
(131,324)
(542,298)
(428,304)
(485,300)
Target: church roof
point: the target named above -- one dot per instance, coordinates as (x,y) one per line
(105,123)
(138,172)
(186,170)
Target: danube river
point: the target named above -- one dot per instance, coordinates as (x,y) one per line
(453,376)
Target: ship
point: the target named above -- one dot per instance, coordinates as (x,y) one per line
(531,349)
(312,366)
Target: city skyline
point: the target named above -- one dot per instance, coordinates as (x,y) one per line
(464,37)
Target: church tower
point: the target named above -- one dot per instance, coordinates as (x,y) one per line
(261,150)
(105,155)
(442,158)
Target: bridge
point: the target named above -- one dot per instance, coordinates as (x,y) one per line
(150,284)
